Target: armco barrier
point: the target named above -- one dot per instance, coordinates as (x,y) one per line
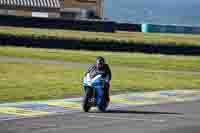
(98,45)
(170,29)
(84,25)
(128,27)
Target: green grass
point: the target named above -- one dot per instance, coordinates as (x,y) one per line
(135,60)
(27,81)
(134,37)
(131,72)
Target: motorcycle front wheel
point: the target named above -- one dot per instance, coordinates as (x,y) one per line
(86,105)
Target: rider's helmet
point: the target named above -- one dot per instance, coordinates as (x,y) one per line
(100,61)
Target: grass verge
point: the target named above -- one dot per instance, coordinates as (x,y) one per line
(27,81)
(136,60)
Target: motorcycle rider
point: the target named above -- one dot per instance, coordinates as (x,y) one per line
(100,67)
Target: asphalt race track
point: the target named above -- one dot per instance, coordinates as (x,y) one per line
(162,118)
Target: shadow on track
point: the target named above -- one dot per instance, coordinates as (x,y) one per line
(139,112)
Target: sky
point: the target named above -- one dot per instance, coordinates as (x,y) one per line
(186,11)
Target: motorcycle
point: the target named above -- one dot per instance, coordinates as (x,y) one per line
(94,93)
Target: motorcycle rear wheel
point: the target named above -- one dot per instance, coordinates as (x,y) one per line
(103,106)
